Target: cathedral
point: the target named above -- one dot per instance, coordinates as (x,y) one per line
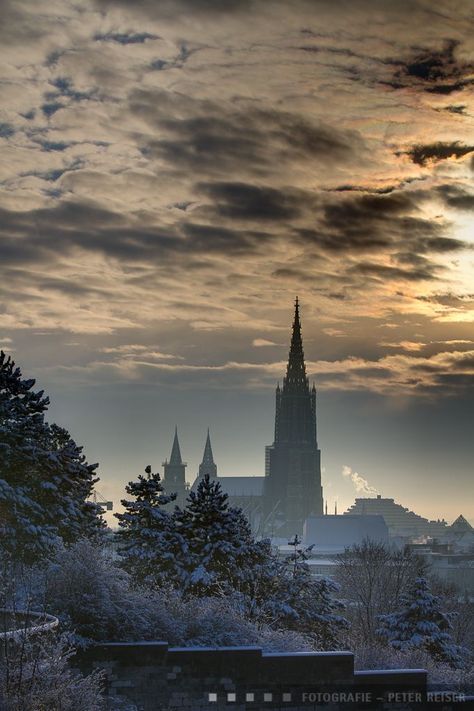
(277,504)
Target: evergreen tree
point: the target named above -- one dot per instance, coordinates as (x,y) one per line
(421,625)
(301,602)
(45,480)
(149,542)
(221,553)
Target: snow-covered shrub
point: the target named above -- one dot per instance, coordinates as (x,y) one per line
(383,656)
(36,675)
(219,622)
(95,598)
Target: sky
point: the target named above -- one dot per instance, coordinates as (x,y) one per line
(174,173)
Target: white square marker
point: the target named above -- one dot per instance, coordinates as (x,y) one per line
(267,697)
(231,697)
(286,697)
(249,697)
(213,698)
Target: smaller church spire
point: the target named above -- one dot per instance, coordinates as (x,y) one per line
(175,451)
(208,466)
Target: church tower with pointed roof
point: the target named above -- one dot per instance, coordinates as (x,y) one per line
(292,487)
(208,466)
(174,473)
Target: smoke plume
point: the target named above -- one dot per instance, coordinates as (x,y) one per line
(361,484)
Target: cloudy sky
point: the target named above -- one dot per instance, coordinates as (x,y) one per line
(173,173)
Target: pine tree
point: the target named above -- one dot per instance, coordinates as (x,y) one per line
(45,480)
(304,603)
(221,553)
(149,542)
(421,625)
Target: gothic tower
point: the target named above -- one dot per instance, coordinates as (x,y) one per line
(207,465)
(174,477)
(292,487)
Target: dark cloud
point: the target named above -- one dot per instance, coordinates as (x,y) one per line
(451,300)
(211,136)
(6,130)
(54,145)
(372,222)
(65,88)
(384,272)
(206,238)
(292,273)
(126,37)
(177,62)
(250,202)
(41,235)
(455,109)
(456,197)
(441,244)
(435,70)
(29,115)
(422,154)
(49,109)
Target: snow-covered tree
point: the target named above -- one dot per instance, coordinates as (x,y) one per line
(221,554)
(295,600)
(36,674)
(421,624)
(149,541)
(313,600)
(45,481)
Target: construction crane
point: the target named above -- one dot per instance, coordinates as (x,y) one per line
(101,501)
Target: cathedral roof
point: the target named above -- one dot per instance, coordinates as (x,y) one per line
(242,485)
(238,485)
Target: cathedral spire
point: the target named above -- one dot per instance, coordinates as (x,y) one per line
(175,451)
(296,370)
(293,462)
(208,466)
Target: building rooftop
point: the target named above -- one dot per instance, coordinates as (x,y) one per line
(396,516)
(335,533)
(242,485)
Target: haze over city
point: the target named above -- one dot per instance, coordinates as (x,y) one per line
(175,173)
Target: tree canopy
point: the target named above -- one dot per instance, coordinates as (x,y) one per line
(45,480)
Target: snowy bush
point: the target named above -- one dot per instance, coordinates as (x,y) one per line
(97,601)
(383,656)
(93,597)
(36,675)
(219,622)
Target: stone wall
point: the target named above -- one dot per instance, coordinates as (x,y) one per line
(156,677)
